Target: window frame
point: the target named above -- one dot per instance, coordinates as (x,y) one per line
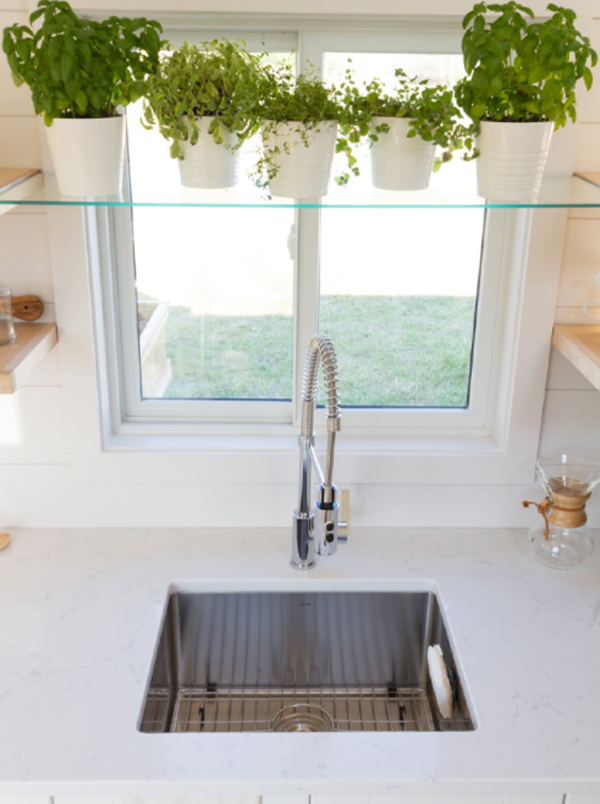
(311,48)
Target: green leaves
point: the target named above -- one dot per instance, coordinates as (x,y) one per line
(305,102)
(430,110)
(216,79)
(78,67)
(519,69)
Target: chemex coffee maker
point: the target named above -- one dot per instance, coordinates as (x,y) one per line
(563,541)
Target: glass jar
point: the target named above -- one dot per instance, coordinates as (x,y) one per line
(7,326)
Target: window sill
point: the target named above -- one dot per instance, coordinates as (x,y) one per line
(273,459)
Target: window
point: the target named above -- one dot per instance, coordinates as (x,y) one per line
(216,305)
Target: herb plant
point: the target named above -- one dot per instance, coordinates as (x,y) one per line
(304,103)
(430,111)
(519,70)
(213,80)
(78,67)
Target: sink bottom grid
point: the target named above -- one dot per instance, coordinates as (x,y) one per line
(259,709)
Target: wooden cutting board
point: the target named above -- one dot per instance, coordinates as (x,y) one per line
(27,308)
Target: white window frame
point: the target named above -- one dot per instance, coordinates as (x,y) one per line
(498,445)
(311,47)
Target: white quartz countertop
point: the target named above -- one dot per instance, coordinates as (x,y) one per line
(79,618)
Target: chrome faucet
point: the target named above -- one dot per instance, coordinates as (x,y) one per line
(316,531)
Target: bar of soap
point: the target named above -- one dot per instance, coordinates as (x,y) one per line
(4,540)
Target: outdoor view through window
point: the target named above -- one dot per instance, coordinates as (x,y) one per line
(398,287)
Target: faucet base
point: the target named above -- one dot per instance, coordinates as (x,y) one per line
(302,565)
(303,553)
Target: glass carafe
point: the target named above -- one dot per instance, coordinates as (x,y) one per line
(563,541)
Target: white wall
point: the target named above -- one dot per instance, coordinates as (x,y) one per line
(40,488)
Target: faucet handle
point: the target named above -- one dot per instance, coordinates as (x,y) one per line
(344,527)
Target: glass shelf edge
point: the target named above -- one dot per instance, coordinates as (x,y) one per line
(164,204)
(582,194)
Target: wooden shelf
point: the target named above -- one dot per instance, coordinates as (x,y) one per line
(580,344)
(593,178)
(16,184)
(18,359)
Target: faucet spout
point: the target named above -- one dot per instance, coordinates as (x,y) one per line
(321,350)
(321,537)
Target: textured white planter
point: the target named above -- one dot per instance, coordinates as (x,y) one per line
(207,165)
(88,155)
(512,160)
(399,162)
(303,172)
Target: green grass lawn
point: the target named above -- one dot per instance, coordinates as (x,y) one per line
(392,351)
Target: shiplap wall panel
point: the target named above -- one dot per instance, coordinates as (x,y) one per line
(24,255)
(25,800)
(27,209)
(571,315)
(31,427)
(63,501)
(588,103)
(571,422)
(436,798)
(587,157)
(285,800)
(47,373)
(581,262)
(584,192)
(563,376)
(173,800)
(20,142)
(82,800)
(544,798)
(341,799)
(583,798)
(586,213)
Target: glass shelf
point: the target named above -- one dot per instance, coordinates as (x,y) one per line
(576,192)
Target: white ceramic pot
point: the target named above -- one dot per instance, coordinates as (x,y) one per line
(399,162)
(512,160)
(303,172)
(208,165)
(88,155)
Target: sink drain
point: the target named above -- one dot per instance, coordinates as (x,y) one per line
(302,717)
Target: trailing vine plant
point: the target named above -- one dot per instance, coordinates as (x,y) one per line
(304,102)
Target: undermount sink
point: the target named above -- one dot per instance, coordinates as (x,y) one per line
(317,661)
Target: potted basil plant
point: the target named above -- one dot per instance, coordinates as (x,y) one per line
(519,88)
(298,120)
(196,100)
(404,128)
(81,73)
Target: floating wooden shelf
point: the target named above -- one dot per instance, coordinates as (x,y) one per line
(580,344)
(16,184)
(18,359)
(593,178)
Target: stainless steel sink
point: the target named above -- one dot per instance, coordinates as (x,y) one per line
(322,661)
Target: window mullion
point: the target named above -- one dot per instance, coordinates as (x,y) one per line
(306,310)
